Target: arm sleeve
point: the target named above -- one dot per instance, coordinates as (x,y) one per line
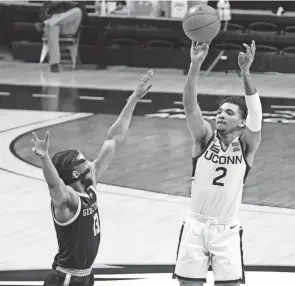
(254,118)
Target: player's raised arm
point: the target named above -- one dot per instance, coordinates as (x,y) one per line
(61,194)
(252,134)
(197,125)
(118,130)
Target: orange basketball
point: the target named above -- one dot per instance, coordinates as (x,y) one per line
(201,23)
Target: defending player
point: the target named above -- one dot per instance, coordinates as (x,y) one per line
(71,181)
(211,233)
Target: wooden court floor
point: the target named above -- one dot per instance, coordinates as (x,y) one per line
(156,156)
(126,78)
(138,218)
(135,223)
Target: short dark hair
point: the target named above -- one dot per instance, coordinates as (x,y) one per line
(237,100)
(65,162)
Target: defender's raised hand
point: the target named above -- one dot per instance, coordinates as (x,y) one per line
(143,86)
(245,59)
(40,146)
(199,51)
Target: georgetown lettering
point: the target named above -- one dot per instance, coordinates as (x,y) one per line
(91,210)
(222,160)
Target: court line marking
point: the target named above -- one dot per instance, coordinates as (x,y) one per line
(114,189)
(28,124)
(142,100)
(283,106)
(84,97)
(32,171)
(131,73)
(148,279)
(4,93)
(153,196)
(177,102)
(44,95)
(21,283)
(145,100)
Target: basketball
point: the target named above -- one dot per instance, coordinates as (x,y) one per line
(201,23)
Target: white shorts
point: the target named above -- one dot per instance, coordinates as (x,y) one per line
(204,241)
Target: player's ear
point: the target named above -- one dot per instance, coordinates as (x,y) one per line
(75,174)
(242,123)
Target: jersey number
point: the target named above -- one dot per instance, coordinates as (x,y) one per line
(96,225)
(216,181)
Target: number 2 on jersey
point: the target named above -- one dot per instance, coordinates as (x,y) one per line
(216,181)
(96,225)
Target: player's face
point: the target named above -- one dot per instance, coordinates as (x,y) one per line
(228,118)
(88,179)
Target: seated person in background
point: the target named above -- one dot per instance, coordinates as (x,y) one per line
(121,8)
(60,17)
(111,7)
(277,7)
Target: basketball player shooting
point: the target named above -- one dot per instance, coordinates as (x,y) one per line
(211,233)
(71,181)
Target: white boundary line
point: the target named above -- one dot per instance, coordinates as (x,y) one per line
(253,278)
(4,93)
(41,95)
(83,97)
(10,162)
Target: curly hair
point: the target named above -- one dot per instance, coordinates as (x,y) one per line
(240,102)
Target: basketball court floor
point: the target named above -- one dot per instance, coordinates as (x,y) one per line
(142,199)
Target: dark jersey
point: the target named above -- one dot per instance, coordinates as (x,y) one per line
(79,238)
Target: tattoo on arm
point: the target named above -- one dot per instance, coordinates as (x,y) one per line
(190,89)
(248,84)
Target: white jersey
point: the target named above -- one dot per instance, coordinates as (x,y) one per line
(218,179)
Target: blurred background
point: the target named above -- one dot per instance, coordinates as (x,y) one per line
(149,33)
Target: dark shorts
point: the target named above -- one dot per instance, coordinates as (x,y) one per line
(57,278)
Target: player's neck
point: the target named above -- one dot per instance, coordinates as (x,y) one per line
(78,187)
(227,138)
